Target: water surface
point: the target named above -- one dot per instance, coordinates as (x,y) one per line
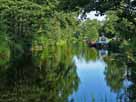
(92,82)
(68,74)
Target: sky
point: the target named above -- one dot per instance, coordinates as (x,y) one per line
(92,16)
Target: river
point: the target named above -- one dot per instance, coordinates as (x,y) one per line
(69,74)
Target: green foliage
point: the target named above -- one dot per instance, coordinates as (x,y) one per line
(126,29)
(109,24)
(22,20)
(60,27)
(90,29)
(52,25)
(4,49)
(121,29)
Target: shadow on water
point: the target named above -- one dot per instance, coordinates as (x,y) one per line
(45,76)
(69,74)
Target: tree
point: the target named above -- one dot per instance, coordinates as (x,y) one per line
(22,22)
(90,29)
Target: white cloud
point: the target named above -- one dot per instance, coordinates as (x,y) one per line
(92,16)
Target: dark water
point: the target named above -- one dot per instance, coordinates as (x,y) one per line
(69,74)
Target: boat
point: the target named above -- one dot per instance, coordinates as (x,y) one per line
(102,42)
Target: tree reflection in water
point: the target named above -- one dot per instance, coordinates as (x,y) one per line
(47,76)
(50,75)
(120,74)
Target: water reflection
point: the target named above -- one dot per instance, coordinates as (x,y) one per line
(119,75)
(48,76)
(92,82)
(71,73)
(103,53)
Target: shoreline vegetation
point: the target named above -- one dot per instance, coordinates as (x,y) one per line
(47,33)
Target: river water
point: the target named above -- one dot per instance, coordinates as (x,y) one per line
(69,74)
(92,85)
